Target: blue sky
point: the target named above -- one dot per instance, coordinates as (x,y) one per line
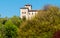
(10,8)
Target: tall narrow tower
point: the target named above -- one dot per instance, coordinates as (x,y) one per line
(28,6)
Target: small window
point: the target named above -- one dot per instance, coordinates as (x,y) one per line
(29,13)
(23,12)
(32,13)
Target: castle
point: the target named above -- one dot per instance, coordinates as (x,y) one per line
(27,12)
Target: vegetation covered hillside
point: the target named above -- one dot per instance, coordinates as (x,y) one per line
(44,25)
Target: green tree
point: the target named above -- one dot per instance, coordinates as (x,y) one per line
(16,20)
(1,30)
(0,15)
(3,20)
(11,31)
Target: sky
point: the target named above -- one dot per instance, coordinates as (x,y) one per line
(10,8)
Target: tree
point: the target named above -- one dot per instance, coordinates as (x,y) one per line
(0,15)
(16,20)
(3,20)
(1,30)
(11,31)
